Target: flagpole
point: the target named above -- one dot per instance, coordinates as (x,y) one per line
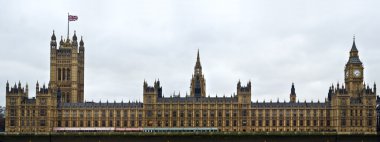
(68,27)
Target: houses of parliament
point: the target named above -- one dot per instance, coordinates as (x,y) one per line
(349,108)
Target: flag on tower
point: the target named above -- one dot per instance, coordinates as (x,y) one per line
(70,18)
(73,17)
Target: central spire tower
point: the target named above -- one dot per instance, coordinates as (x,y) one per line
(198,85)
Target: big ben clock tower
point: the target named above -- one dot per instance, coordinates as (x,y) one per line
(354,73)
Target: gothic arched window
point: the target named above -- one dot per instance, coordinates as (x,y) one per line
(68,74)
(68,97)
(59,74)
(63,74)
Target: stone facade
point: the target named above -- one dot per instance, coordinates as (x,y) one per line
(349,107)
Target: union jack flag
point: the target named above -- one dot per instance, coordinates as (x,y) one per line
(73,18)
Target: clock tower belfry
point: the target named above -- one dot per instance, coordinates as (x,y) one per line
(354,73)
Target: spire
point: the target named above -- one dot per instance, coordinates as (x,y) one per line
(198,55)
(293,94)
(374,88)
(353,48)
(61,42)
(37,87)
(81,43)
(293,90)
(75,36)
(198,66)
(53,36)
(354,56)
(26,87)
(7,87)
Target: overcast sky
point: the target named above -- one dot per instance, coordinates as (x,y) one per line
(271,43)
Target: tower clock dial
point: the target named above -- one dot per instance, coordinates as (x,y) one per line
(346,73)
(357,73)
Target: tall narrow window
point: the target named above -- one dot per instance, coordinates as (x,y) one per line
(59,74)
(64,97)
(68,95)
(63,74)
(68,74)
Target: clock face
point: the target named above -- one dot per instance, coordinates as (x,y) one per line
(357,73)
(346,73)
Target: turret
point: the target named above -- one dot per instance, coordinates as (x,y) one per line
(61,42)
(37,87)
(293,95)
(374,88)
(246,88)
(329,94)
(17,89)
(244,93)
(43,90)
(53,42)
(81,45)
(7,88)
(158,88)
(145,85)
(75,36)
(26,88)
(75,42)
(19,85)
(151,93)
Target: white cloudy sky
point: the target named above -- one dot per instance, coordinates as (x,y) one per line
(271,43)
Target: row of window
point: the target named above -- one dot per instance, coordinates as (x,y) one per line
(41,112)
(99,123)
(63,74)
(28,122)
(222,105)
(355,112)
(343,122)
(190,123)
(209,113)
(196,123)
